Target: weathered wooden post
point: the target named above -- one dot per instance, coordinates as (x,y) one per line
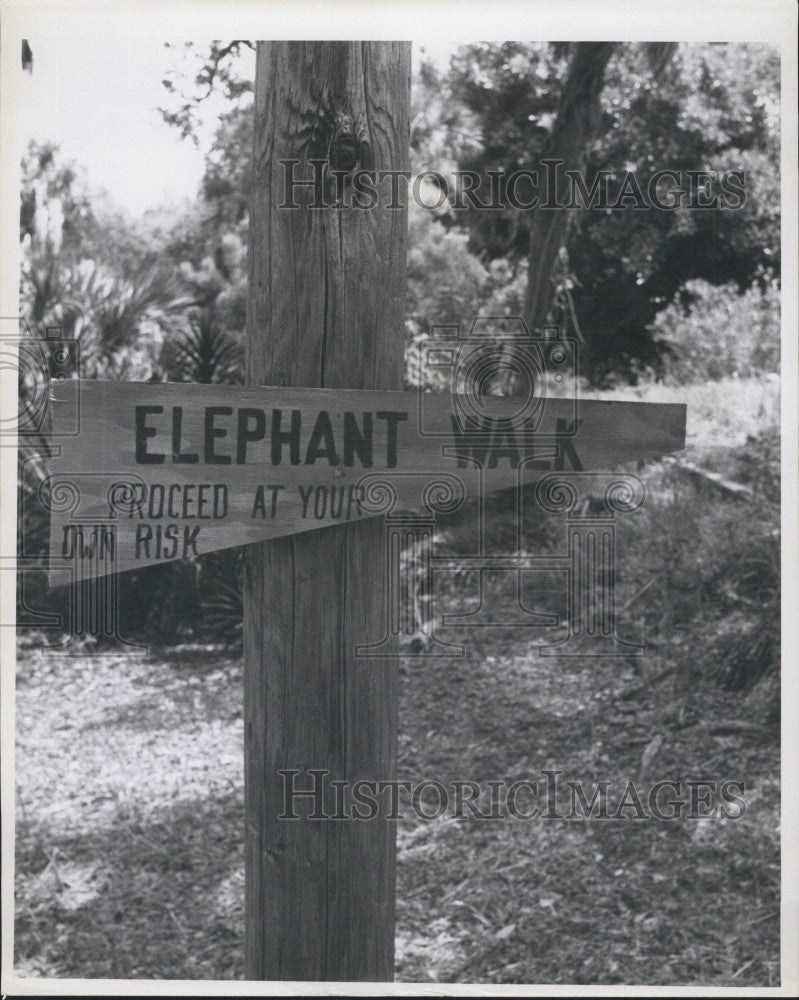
(326,308)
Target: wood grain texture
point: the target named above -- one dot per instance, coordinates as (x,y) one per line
(326,308)
(220,465)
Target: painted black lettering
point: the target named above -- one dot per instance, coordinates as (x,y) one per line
(188,500)
(357,442)
(190,458)
(143,432)
(190,540)
(153,511)
(259,503)
(220,500)
(212,432)
(392,418)
(322,433)
(305,498)
(143,535)
(291,438)
(171,535)
(471,441)
(173,489)
(251,427)
(510,451)
(565,440)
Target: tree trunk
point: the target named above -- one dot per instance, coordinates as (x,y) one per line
(576,124)
(326,308)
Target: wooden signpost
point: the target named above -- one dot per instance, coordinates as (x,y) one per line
(158,472)
(164,471)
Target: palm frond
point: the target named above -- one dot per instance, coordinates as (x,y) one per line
(207,353)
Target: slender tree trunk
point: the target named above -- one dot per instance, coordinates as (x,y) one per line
(326,308)
(576,124)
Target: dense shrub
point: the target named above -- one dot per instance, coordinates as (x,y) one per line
(715,563)
(714,332)
(447,285)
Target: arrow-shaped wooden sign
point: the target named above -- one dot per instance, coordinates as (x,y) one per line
(144,473)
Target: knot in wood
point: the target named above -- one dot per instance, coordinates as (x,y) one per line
(345,152)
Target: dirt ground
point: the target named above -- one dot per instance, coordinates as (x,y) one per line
(130,849)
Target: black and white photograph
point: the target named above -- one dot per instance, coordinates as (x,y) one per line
(399,498)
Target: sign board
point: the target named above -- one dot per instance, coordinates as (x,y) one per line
(144,473)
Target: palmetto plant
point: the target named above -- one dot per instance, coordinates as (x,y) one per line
(221,594)
(120,322)
(140,326)
(205,352)
(44,285)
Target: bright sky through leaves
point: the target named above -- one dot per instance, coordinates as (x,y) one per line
(99,102)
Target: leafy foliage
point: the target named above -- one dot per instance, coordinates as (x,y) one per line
(713,332)
(221,596)
(713,107)
(206,352)
(688,107)
(715,562)
(447,285)
(208,71)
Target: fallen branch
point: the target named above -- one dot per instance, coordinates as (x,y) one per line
(728,727)
(704,477)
